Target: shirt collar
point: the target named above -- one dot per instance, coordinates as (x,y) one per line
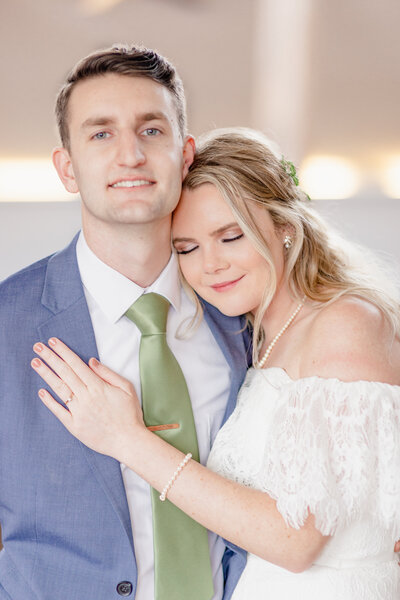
(113,292)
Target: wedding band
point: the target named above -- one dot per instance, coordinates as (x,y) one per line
(70,397)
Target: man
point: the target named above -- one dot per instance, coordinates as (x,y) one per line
(77,524)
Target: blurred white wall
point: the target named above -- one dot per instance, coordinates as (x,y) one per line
(30,231)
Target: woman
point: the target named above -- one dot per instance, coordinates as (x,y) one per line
(304,474)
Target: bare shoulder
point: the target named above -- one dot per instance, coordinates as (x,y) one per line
(351,340)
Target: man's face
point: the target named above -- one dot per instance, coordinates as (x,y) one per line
(127,158)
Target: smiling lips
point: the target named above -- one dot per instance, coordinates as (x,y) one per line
(226,285)
(131,183)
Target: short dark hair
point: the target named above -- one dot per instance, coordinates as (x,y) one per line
(122,59)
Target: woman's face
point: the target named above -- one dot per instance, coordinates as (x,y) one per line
(216,258)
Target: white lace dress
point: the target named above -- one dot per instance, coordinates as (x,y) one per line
(332,448)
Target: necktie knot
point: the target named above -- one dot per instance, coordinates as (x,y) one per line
(150,313)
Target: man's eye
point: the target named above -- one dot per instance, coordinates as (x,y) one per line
(233,239)
(101,135)
(151,131)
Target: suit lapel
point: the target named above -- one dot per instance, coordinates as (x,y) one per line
(63,294)
(234,343)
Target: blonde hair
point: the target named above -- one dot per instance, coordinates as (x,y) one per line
(319,265)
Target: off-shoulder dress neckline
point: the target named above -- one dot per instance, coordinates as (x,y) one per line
(284,375)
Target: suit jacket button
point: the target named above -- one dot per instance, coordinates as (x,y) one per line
(124,588)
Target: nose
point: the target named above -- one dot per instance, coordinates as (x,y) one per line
(214,262)
(130,152)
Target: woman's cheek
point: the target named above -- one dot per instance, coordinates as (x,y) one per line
(191,273)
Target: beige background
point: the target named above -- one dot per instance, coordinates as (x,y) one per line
(315,75)
(349,48)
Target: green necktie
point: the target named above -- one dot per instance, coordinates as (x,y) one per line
(181,552)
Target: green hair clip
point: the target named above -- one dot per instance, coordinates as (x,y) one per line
(290,169)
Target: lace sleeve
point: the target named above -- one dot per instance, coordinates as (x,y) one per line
(334,451)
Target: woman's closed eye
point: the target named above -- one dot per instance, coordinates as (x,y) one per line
(187,249)
(190,247)
(233,238)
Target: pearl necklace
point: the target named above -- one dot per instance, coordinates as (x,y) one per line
(268,351)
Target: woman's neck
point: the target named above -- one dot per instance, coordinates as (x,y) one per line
(278,312)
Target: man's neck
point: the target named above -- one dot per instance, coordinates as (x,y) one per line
(139,252)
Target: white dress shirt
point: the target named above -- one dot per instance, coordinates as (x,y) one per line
(109,295)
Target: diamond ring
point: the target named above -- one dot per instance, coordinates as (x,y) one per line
(70,397)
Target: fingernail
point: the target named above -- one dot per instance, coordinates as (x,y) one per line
(52,341)
(36,363)
(38,347)
(41,393)
(94,362)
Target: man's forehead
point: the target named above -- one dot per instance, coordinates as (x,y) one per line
(102,96)
(111,84)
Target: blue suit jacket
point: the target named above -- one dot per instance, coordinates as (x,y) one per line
(63,509)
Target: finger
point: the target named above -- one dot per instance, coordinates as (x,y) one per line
(110,376)
(397,546)
(60,367)
(60,412)
(58,386)
(78,366)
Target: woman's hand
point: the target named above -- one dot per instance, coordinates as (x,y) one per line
(103,410)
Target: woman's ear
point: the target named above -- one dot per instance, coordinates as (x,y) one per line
(63,165)
(189,150)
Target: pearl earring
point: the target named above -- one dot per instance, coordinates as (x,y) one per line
(287,242)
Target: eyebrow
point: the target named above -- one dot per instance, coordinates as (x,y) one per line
(142,118)
(97,121)
(152,116)
(225,227)
(213,233)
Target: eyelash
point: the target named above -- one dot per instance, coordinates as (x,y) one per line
(186,251)
(237,237)
(233,239)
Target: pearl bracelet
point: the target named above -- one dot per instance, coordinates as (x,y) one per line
(171,482)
